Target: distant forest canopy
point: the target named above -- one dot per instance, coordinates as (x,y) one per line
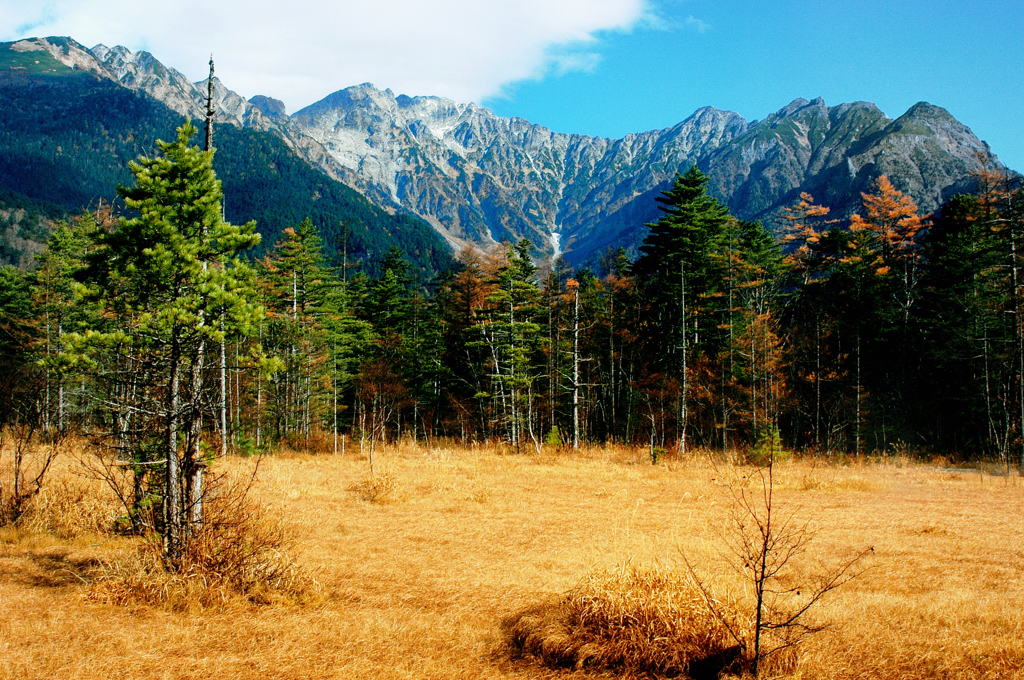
(893,333)
(70,149)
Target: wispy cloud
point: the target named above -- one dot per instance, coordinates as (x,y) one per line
(696,24)
(464,49)
(26,18)
(576,61)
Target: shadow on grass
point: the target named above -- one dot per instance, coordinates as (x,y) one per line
(48,568)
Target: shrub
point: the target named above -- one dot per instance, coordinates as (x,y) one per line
(25,460)
(246,447)
(764,542)
(768,447)
(239,551)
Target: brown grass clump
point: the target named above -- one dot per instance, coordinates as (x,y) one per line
(653,620)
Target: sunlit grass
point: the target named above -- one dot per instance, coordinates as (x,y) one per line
(415,578)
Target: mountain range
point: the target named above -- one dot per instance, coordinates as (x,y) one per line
(478,179)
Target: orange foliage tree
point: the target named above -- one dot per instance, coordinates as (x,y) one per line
(891,225)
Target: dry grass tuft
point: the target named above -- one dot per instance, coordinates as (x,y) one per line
(829,479)
(378,488)
(72,506)
(653,620)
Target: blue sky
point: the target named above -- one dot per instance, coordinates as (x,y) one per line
(755,57)
(602,67)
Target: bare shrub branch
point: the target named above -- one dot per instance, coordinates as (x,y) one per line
(25,456)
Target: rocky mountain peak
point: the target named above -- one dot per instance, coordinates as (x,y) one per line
(708,127)
(362,103)
(863,111)
(64,50)
(928,121)
(479,179)
(926,110)
(271,108)
(358,97)
(791,108)
(141,71)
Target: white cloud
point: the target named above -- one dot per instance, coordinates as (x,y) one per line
(302,50)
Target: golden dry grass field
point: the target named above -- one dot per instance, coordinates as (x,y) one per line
(417,583)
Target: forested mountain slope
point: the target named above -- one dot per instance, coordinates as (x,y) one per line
(66,137)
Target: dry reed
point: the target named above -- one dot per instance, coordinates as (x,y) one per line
(71,506)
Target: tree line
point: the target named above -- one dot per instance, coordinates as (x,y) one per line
(892,331)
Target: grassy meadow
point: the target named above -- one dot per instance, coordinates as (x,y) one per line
(419,572)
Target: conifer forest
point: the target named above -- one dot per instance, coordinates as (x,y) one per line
(153,333)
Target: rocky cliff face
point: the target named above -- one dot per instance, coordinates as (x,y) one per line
(479,179)
(141,72)
(836,153)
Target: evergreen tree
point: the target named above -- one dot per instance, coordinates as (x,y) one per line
(169,275)
(398,317)
(460,302)
(760,280)
(510,333)
(58,300)
(964,340)
(617,323)
(19,377)
(350,340)
(297,287)
(682,281)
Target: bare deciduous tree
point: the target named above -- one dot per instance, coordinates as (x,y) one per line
(765,543)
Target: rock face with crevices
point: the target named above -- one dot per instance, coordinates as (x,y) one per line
(480,179)
(835,153)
